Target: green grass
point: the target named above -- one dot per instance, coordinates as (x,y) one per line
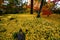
(38,28)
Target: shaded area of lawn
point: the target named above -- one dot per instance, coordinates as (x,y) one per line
(38,28)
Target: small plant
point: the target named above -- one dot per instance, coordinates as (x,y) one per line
(15,35)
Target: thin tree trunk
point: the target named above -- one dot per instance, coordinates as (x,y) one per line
(42,1)
(31,11)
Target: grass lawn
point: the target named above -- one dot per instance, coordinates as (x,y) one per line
(44,28)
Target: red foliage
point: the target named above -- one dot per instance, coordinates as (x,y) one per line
(46,10)
(28,6)
(36,8)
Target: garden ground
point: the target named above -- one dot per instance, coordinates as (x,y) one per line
(44,28)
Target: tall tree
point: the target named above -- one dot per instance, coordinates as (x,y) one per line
(41,5)
(31,11)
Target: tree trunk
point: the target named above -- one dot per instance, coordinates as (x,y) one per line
(31,11)
(49,1)
(1,1)
(41,5)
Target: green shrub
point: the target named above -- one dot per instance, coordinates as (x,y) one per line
(15,35)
